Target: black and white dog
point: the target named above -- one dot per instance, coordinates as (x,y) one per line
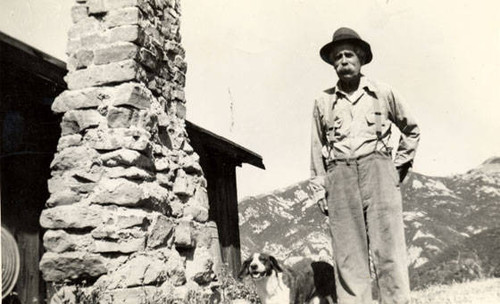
(305,282)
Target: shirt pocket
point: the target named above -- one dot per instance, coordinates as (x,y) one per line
(371,121)
(336,129)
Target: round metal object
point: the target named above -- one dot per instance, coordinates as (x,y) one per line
(10,262)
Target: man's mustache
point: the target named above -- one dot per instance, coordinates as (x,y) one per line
(345,71)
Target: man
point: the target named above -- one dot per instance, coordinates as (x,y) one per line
(351,160)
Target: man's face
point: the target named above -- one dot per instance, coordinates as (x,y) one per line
(346,62)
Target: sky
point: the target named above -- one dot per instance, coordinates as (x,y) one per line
(254,71)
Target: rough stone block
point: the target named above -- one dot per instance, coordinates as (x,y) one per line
(184,234)
(147,121)
(72,216)
(75,121)
(196,212)
(177,208)
(140,270)
(127,157)
(127,245)
(115,52)
(80,59)
(69,181)
(124,118)
(120,192)
(175,267)
(180,63)
(202,181)
(128,94)
(156,197)
(84,27)
(186,147)
(179,78)
(69,141)
(148,59)
(200,197)
(179,95)
(113,139)
(96,6)
(92,176)
(61,241)
(132,94)
(191,164)
(93,40)
(162,164)
(199,269)
(126,218)
(120,117)
(131,173)
(78,157)
(124,16)
(165,179)
(65,197)
(78,13)
(131,33)
(57,267)
(153,34)
(72,46)
(174,48)
(111,232)
(102,6)
(72,100)
(204,236)
(160,232)
(183,185)
(180,110)
(121,71)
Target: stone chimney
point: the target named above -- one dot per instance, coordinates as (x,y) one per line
(127,216)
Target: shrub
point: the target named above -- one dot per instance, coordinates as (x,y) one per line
(231,289)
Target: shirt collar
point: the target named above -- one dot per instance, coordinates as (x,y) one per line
(364,83)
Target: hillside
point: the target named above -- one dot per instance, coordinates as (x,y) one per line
(450,222)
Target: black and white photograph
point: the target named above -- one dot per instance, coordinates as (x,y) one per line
(237,152)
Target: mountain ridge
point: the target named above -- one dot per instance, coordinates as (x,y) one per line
(439,213)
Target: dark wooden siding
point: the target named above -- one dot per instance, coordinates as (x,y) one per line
(220,172)
(222,193)
(29,134)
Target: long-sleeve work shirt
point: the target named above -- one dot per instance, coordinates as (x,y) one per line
(346,126)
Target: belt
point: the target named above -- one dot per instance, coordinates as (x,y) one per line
(354,160)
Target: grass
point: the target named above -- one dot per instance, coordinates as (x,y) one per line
(484,291)
(477,292)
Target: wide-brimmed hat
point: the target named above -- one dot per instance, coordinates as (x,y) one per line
(345,34)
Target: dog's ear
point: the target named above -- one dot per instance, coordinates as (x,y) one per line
(274,263)
(244,269)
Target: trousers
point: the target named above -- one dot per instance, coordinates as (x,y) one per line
(365,214)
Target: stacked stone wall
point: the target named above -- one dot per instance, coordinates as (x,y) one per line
(126,221)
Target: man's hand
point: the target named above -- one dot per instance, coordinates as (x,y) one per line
(403,171)
(319,194)
(323,206)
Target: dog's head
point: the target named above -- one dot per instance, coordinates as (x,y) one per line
(259,265)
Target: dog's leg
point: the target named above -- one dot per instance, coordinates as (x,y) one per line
(329,299)
(315,300)
(322,300)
